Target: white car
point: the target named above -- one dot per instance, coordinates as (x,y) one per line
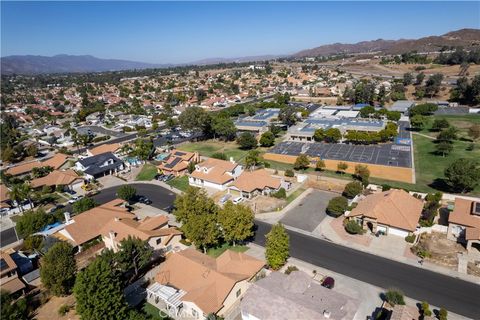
(74,199)
(237,200)
(225,198)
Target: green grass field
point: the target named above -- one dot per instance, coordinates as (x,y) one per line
(461,122)
(215,252)
(180,183)
(209,147)
(151,312)
(147,173)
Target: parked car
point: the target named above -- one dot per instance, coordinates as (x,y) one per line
(225,198)
(74,199)
(70,192)
(144,200)
(170,208)
(169,177)
(328,282)
(159,177)
(238,200)
(55,208)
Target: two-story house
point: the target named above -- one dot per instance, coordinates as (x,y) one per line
(9,280)
(99,165)
(215,173)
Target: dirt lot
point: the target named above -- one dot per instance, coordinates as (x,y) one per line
(439,249)
(262,204)
(474,269)
(49,311)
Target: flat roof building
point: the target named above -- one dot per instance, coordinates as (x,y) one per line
(258,122)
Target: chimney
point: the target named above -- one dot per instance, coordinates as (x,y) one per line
(231,160)
(66,214)
(326,314)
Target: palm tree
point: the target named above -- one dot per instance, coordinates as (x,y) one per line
(27,192)
(17,194)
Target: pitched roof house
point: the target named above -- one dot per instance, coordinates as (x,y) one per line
(176,162)
(464,221)
(295,296)
(99,165)
(56,162)
(155,230)
(215,173)
(107,147)
(68,178)
(9,280)
(393,212)
(252,183)
(197,284)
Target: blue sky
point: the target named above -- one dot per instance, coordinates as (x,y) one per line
(175,32)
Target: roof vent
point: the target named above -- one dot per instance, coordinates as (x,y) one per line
(327,314)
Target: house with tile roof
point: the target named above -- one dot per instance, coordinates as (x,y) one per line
(252,183)
(9,280)
(107,147)
(464,222)
(195,284)
(215,173)
(176,162)
(155,230)
(393,212)
(56,162)
(295,296)
(4,197)
(68,179)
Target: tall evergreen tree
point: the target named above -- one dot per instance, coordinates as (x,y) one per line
(277,246)
(57,269)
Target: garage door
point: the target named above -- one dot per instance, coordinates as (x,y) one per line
(398,232)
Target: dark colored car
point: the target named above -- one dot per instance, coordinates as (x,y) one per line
(170,208)
(144,200)
(328,282)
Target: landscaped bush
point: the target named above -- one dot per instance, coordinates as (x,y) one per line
(289,173)
(280,194)
(290,269)
(219,155)
(394,297)
(337,206)
(410,238)
(353,227)
(99,139)
(352,189)
(63,310)
(386,187)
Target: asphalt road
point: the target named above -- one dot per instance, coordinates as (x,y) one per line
(456,295)
(7,236)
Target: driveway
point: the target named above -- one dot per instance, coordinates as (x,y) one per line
(308,214)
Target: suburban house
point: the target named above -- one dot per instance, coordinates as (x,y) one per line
(4,197)
(69,179)
(252,183)
(155,230)
(58,161)
(99,165)
(176,162)
(107,147)
(464,222)
(87,225)
(215,173)
(9,280)
(294,296)
(391,212)
(197,285)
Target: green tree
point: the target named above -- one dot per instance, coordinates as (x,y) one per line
(432,86)
(195,119)
(134,254)
(474,132)
(277,247)
(394,297)
(352,189)
(419,79)
(337,206)
(83,204)
(342,166)
(32,150)
(236,222)
(463,175)
(57,269)
(267,139)
(353,227)
(333,135)
(198,214)
(442,314)
(407,79)
(426,312)
(247,141)
(319,135)
(98,292)
(320,165)
(417,121)
(444,148)
(127,193)
(11,310)
(440,124)
(367,111)
(302,162)
(448,135)
(143,149)
(274,129)
(224,127)
(362,172)
(252,159)
(33,221)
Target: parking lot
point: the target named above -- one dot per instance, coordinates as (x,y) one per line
(308,214)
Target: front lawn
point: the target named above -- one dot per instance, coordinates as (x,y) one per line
(152,312)
(148,172)
(215,252)
(180,183)
(295,194)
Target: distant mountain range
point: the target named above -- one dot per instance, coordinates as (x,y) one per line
(63,63)
(464,37)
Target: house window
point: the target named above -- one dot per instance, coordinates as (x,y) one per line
(239,292)
(159,240)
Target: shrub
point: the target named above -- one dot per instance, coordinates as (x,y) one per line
(290,269)
(426,312)
(63,310)
(32,243)
(280,194)
(353,227)
(442,314)
(219,155)
(337,206)
(289,173)
(394,297)
(410,238)
(352,189)
(386,187)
